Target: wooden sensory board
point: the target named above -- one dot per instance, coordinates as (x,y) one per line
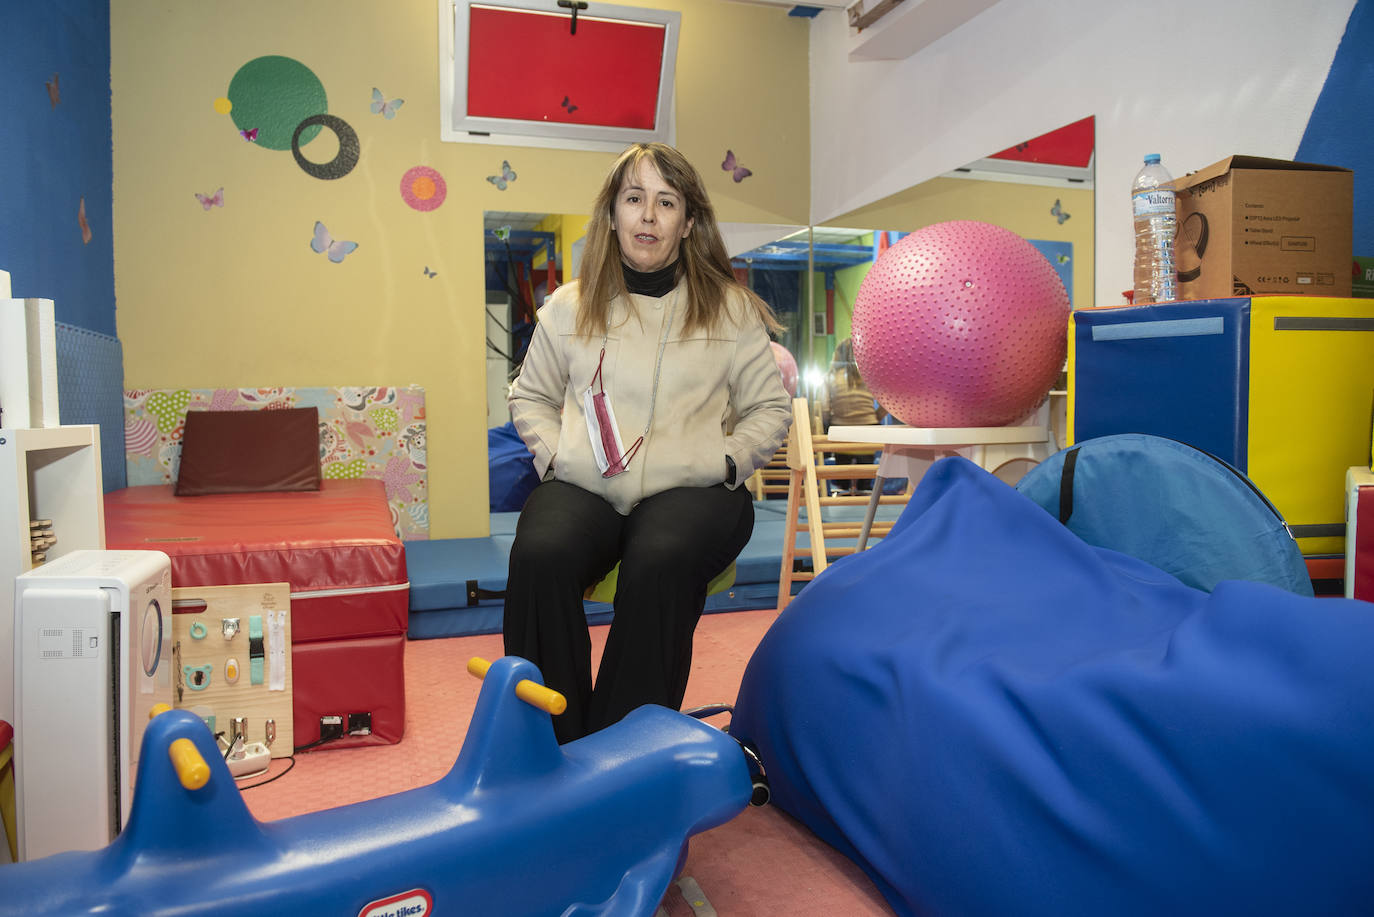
(209,606)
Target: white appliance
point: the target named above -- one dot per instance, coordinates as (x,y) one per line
(92,656)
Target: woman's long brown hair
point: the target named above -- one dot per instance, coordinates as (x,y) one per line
(705,262)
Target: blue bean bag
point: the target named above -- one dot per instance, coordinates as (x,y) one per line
(510,469)
(993,717)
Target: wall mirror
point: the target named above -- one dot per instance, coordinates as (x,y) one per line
(528,254)
(1041,189)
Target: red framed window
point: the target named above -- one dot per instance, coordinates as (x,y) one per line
(526,71)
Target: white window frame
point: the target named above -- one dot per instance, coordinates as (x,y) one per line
(455,125)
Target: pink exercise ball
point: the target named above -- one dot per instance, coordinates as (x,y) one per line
(960,324)
(787,367)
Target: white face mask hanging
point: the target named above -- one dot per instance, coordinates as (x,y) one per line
(610,454)
(611,457)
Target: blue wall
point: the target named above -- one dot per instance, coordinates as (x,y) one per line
(1341,131)
(53,156)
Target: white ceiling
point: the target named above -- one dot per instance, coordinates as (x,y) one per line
(788,4)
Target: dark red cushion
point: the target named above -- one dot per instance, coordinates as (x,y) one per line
(224,452)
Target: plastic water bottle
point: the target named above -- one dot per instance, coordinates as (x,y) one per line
(1156,218)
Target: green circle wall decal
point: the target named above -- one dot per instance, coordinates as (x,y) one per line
(274,94)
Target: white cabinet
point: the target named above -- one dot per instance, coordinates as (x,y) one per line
(51,473)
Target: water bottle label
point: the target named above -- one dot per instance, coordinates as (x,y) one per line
(1153,203)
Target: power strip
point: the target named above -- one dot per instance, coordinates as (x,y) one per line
(252,761)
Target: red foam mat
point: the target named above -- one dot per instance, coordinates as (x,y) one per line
(337,549)
(338,540)
(1362,539)
(343,677)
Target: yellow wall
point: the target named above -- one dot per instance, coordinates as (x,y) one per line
(234,296)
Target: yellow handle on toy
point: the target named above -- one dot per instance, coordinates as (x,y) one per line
(157,709)
(190,766)
(536,695)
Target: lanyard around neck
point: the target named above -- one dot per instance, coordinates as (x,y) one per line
(658,367)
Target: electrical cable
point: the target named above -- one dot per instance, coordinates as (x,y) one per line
(290,763)
(492,316)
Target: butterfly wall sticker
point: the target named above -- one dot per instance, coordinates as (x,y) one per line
(249,134)
(387,108)
(429,273)
(505,178)
(739,172)
(1059,213)
(567,103)
(326,244)
(211,200)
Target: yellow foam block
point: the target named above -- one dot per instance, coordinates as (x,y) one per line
(1311,396)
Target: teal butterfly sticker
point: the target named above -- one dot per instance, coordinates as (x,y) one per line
(387,108)
(505,178)
(326,244)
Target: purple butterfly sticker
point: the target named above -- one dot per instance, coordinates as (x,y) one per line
(729,165)
(211,200)
(251,134)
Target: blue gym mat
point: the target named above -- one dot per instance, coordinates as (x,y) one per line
(456,583)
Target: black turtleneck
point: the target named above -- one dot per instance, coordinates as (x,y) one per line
(654,283)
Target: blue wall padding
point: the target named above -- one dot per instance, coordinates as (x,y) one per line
(90,389)
(1188,362)
(1161,501)
(993,717)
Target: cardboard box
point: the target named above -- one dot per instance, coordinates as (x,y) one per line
(1250,225)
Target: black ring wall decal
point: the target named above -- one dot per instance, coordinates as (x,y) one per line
(343,162)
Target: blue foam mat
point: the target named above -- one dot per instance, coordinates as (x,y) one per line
(441,569)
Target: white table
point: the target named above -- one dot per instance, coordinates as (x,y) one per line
(908,451)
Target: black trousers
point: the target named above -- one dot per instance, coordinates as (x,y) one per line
(669,548)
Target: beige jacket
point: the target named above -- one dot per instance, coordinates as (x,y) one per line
(719,394)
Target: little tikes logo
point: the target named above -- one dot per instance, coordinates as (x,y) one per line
(414,903)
